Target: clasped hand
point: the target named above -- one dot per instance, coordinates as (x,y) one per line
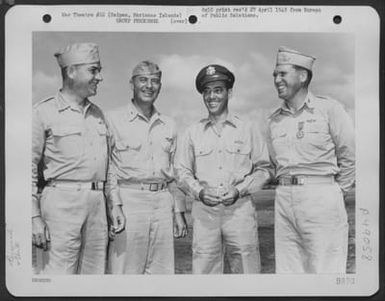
(213,197)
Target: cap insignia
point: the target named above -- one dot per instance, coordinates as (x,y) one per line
(210,70)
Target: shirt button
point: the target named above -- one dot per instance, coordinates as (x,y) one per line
(220,167)
(219,151)
(221,184)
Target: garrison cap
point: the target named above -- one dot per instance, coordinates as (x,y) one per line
(78,53)
(286,56)
(146,68)
(213,73)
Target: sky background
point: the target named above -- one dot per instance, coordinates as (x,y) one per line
(250,56)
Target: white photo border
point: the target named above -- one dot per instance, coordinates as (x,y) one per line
(18,72)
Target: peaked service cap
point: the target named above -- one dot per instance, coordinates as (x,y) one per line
(213,73)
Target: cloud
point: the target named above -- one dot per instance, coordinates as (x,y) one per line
(179,71)
(43,85)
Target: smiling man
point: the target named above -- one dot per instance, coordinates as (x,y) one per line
(142,193)
(220,163)
(70,142)
(311,141)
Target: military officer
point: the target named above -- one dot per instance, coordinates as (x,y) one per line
(141,188)
(311,141)
(69,138)
(220,163)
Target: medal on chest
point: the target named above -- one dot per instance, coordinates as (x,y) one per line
(300,133)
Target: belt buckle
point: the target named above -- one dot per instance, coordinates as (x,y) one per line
(154,185)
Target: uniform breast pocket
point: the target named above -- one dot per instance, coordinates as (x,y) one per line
(128,152)
(203,157)
(239,154)
(68,140)
(316,134)
(279,139)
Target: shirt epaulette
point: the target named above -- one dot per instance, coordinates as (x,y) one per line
(275,112)
(323,97)
(43,101)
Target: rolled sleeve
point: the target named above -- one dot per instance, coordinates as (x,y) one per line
(178,196)
(342,131)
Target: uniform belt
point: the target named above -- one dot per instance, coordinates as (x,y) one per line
(143,186)
(302,180)
(77,185)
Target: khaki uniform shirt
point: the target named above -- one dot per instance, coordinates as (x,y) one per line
(237,157)
(142,151)
(71,143)
(316,140)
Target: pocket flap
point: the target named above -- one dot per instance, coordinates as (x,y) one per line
(203,150)
(122,145)
(236,148)
(66,130)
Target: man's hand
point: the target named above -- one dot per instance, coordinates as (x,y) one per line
(180,225)
(230,196)
(209,198)
(40,233)
(117,221)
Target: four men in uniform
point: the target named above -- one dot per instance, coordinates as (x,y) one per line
(221,161)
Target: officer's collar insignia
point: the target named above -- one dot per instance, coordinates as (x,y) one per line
(210,70)
(238,142)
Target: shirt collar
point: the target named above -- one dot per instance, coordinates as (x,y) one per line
(308,104)
(64,104)
(133,113)
(231,119)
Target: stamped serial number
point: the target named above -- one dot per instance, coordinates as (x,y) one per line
(345,280)
(366,235)
(41,280)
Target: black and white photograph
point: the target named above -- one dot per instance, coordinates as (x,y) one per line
(187,148)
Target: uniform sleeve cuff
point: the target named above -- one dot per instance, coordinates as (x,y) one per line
(180,205)
(114,199)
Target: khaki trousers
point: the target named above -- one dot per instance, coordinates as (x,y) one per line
(76,219)
(311,229)
(146,246)
(232,229)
